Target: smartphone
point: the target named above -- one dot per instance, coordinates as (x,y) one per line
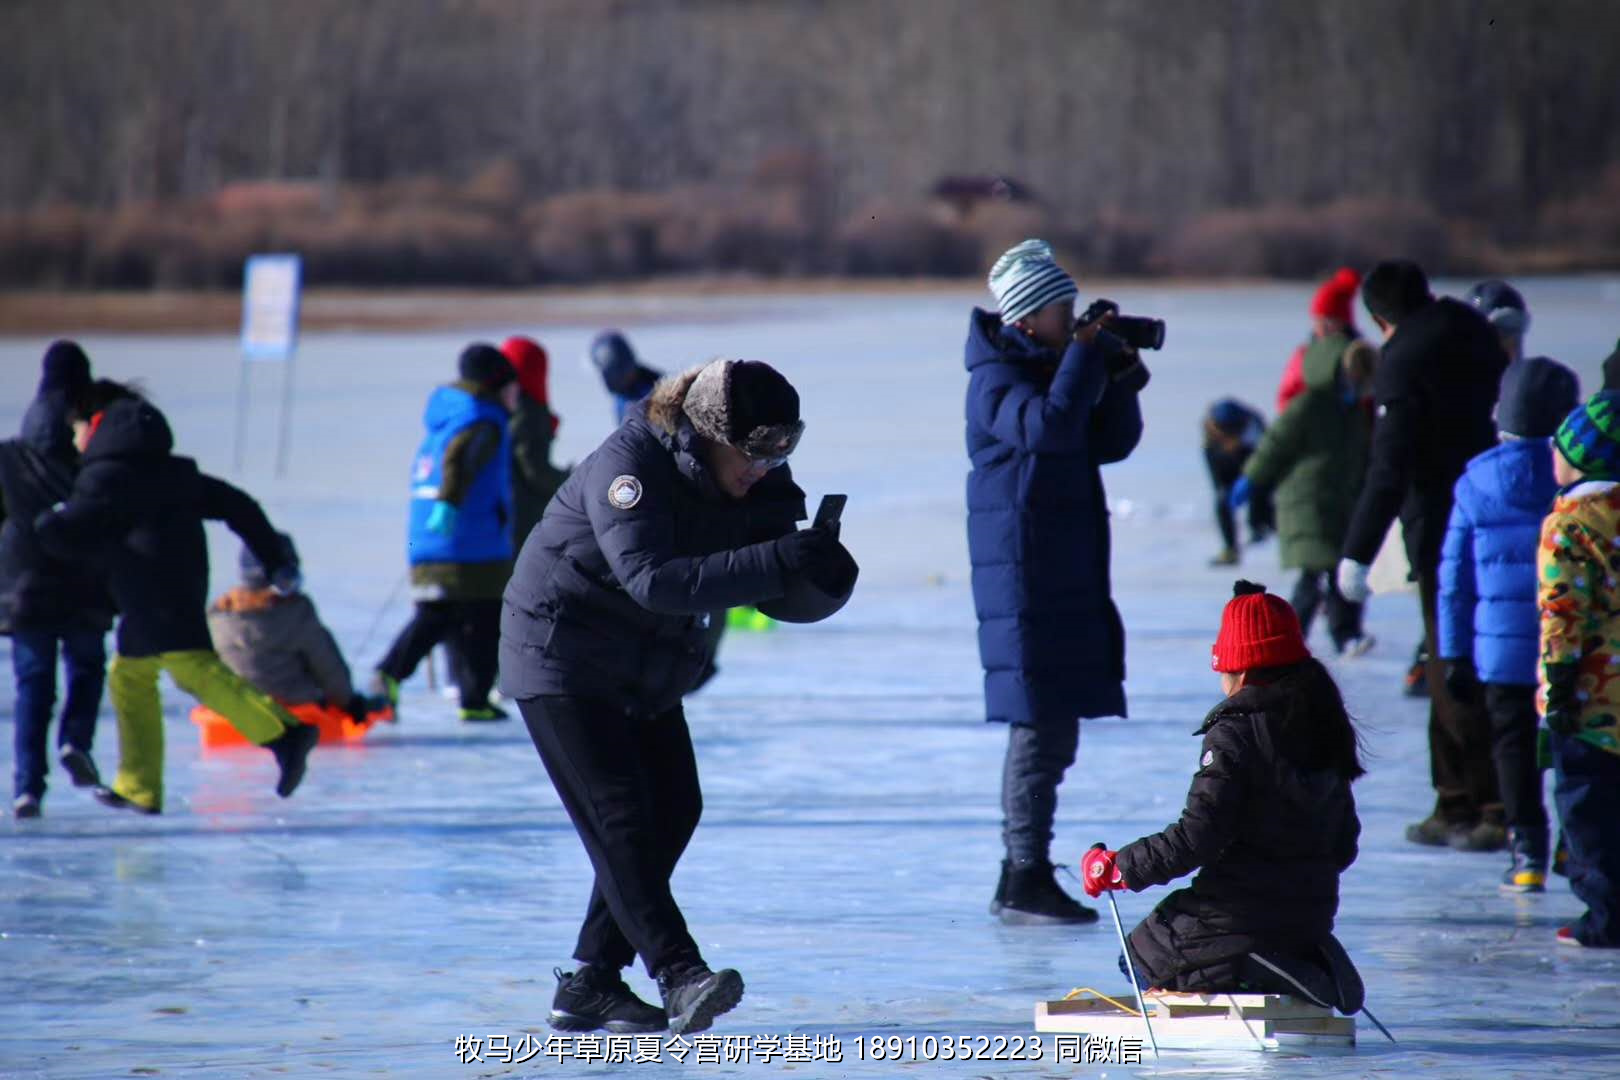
(830,510)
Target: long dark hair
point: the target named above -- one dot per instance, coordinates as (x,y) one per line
(1314,730)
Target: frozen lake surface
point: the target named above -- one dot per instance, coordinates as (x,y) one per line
(422,885)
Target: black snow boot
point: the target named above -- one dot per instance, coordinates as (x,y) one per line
(998,901)
(694,995)
(1528,871)
(1033,898)
(292,749)
(594,998)
(80,766)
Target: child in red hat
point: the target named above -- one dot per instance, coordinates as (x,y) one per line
(1270,824)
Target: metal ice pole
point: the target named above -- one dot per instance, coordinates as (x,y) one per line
(1130,969)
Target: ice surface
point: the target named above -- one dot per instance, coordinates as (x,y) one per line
(423,885)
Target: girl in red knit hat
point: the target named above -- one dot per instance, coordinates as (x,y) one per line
(1269,825)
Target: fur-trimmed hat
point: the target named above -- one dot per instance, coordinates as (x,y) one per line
(1258,630)
(745,404)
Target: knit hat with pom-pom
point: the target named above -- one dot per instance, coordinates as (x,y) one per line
(1258,630)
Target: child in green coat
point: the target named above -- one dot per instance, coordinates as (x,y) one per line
(1314,457)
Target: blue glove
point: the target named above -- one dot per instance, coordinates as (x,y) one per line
(1240,492)
(442,519)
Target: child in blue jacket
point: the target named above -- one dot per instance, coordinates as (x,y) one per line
(1488,623)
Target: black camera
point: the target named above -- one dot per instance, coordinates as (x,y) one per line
(1133,330)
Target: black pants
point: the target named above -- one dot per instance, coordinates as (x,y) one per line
(1311,594)
(473,627)
(1224,470)
(1514,720)
(1460,764)
(630,786)
(1037,757)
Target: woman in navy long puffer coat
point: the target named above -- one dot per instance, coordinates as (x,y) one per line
(1046,407)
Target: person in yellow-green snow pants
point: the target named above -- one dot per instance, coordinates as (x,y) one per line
(133,684)
(137,510)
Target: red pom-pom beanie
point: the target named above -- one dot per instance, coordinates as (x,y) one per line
(1336,298)
(1258,630)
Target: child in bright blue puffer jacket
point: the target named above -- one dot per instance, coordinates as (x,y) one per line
(1489,628)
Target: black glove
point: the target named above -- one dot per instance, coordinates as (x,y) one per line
(358,708)
(1461,683)
(806,549)
(1126,370)
(1563,714)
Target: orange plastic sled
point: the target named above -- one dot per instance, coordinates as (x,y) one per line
(336,726)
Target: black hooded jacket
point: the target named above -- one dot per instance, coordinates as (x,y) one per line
(37,591)
(1436,387)
(137,511)
(1269,840)
(613,592)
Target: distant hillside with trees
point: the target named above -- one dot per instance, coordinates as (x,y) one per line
(156,142)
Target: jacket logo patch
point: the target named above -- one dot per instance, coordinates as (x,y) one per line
(624,492)
(1207,760)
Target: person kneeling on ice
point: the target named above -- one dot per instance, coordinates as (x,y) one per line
(137,510)
(1270,824)
(275,640)
(686,509)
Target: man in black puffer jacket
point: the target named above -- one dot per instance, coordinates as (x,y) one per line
(685,510)
(137,510)
(47,605)
(1436,388)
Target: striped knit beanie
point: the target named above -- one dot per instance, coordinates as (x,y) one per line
(1258,630)
(1025,279)
(1589,437)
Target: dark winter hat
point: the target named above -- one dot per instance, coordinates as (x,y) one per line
(1589,438)
(65,368)
(1611,369)
(612,356)
(483,364)
(1258,630)
(254,575)
(745,404)
(1502,305)
(1536,396)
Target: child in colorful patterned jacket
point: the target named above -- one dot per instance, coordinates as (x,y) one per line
(1578,569)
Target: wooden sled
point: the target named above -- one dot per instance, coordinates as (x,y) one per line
(336,726)
(1199,1021)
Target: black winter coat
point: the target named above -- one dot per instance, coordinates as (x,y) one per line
(37,591)
(1271,839)
(614,590)
(1436,389)
(137,510)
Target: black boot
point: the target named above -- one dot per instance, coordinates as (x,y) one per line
(595,998)
(694,995)
(1033,898)
(292,749)
(1528,871)
(998,901)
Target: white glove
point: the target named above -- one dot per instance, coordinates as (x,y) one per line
(1353,581)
